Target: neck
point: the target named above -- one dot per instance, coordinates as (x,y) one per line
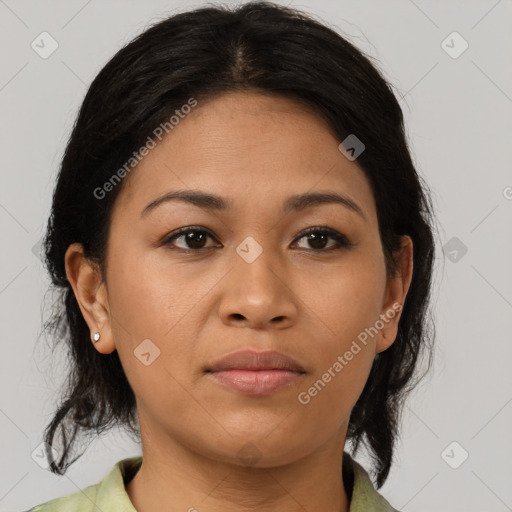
(175,478)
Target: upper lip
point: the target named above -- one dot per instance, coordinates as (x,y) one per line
(253,360)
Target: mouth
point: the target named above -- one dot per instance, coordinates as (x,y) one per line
(256,373)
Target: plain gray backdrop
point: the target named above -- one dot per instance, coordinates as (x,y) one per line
(450,62)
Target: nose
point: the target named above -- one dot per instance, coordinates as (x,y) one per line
(258,294)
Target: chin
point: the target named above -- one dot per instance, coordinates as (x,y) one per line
(262,449)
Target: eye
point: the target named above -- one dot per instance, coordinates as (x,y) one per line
(193,237)
(318,236)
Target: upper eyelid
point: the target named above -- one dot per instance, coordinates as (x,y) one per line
(305,231)
(330,232)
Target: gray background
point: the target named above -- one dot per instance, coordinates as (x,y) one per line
(458,113)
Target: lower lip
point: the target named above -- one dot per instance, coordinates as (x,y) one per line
(256,382)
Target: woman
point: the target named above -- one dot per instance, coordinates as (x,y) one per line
(245,253)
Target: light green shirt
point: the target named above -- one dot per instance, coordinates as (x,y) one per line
(110,494)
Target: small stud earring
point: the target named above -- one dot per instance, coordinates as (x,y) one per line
(96,337)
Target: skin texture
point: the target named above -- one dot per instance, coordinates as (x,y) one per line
(297,298)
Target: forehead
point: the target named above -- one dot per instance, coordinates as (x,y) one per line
(252,148)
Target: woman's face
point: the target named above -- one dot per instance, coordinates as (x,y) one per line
(247,278)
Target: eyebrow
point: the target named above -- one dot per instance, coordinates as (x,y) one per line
(295,203)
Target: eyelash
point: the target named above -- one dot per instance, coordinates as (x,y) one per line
(342,240)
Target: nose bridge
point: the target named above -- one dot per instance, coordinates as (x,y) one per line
(257,290)
(255,266)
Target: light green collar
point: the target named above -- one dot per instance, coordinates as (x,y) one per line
(110,494)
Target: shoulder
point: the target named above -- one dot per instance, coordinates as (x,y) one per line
(82,501)
(365,497)
(109,495)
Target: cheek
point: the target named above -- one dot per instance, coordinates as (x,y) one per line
(332,394)
(345,298)
(167,304)
(343,355)
(348,302)
(150,298)
(147,310)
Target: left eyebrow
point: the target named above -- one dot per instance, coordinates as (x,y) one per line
(302,201)
(297,202)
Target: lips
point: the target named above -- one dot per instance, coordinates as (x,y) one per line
(256,373)
(251,360)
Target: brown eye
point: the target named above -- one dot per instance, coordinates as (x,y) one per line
(194,239)
(317,238)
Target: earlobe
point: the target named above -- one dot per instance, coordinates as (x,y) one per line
(396,292)
(90,293)
(387,335)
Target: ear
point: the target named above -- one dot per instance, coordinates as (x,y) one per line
(91,295)
(395,294)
